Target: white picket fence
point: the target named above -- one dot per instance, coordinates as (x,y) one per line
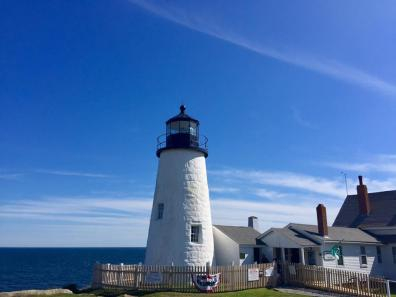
(179,278)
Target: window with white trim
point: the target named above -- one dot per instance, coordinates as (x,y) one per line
(195,233)
(363,257)
(379,254)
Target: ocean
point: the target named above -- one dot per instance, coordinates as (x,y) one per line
(44,268)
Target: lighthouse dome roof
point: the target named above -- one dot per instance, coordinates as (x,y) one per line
(182,116)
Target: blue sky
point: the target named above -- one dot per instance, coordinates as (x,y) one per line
(290,94)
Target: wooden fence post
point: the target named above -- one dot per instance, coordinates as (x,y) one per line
(136,276)
(368,284)
(388,292)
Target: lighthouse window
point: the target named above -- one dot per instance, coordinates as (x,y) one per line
(193,128)
(174,128)
(184,127)
(195,233)
(160,211)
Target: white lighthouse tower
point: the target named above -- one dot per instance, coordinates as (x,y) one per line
(181,225)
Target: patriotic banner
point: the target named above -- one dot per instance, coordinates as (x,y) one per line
(206,282)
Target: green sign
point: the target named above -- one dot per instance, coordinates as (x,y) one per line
(333,253)
(336,252)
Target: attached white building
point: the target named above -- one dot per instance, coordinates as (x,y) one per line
(374,213)
(363,234)
(300,243)
(237,245)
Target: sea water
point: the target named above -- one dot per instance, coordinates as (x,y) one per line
(44,268)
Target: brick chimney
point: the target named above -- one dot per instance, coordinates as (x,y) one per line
(322,220)
(363,198)
(253,223)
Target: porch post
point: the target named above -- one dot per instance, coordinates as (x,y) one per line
(283,255)
(302,256)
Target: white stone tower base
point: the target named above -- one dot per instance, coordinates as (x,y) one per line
(181,200)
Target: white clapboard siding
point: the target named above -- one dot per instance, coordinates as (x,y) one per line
(352,262)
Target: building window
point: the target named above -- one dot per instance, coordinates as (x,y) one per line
(363,257)
(394,254)
(340,260)
(160,213)
(379,254)
(195,233)
(311,256)
(242,256)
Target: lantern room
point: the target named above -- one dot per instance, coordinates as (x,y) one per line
(182,131)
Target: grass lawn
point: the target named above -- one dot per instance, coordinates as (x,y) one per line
(247,293)
(263,292)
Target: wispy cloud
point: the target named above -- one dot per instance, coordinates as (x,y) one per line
(124,221)
(275,197)
(299,119)
(321,65)
(73,173)
(78,209)
(379,163)
(285,179)
(270,214)
(81,221)
(224,189)
(10,176)
(272,195)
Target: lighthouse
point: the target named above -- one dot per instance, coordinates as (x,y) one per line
(180,230)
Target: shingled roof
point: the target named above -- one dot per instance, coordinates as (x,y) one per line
(382,214)
(292,235)
(306,235)
(241,235)
(335,233)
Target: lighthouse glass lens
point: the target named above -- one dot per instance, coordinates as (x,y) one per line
(174,128)
(184,127)
(193,128)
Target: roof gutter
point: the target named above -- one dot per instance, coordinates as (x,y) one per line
(352,242)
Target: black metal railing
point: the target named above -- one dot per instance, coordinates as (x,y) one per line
(200,142)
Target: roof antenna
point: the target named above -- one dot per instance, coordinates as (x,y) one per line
(346,181)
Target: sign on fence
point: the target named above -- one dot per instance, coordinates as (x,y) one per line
(269,271)
(253,274)
(153,277)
